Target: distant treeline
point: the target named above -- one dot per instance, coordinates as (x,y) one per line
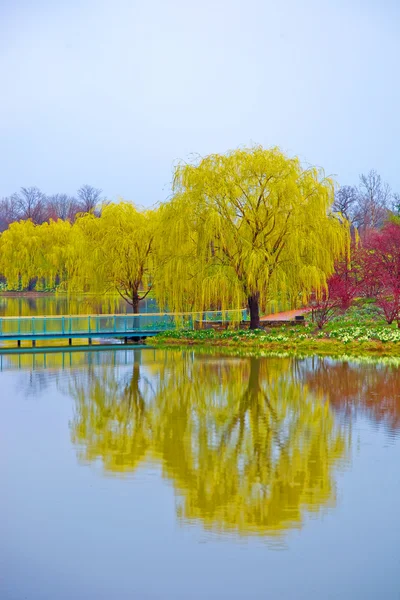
(366,205)
(369,204)
(31,203)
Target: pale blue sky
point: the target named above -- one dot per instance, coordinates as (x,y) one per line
(111,93)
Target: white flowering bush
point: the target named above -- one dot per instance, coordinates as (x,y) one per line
(365,334)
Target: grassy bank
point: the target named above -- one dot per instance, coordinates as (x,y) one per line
(265,352)
(279,342)
(362,331)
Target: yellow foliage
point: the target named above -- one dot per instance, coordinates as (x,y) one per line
(43,251)
(246,227)
(113,252)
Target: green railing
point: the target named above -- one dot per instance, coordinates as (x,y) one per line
(105,325)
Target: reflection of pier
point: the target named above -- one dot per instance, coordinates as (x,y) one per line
(28,359)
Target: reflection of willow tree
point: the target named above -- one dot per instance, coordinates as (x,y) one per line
(112,421)
(244,442)
(251,458)
(373,387)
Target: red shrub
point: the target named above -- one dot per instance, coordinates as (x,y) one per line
(381,259)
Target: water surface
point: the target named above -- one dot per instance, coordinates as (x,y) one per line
(39,304)
(153,474)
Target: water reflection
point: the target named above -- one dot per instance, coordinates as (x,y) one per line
(373,388)
(63,304)
(246,444)
(249,447)
(112,420)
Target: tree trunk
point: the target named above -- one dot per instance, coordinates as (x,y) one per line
(253,304)
(135,308)
(135,304)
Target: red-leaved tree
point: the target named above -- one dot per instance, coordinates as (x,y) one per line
(346,282)
(381,260)
(342,287)
(324,307)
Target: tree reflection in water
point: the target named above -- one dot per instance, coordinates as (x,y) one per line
(367,386)
(112,421)
(247,446)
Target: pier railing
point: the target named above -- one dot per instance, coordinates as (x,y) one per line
(117,325)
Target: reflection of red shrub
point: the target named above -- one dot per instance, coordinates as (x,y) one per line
(369,388)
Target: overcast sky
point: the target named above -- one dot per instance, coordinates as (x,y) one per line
(113,92)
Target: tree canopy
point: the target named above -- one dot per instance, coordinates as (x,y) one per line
(115,251)
(245,227)
(45,252)
(241,229)
(110,252)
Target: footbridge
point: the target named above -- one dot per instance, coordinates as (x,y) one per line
(122,327)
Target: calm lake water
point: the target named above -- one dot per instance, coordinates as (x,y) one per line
(61,304)
(167,474)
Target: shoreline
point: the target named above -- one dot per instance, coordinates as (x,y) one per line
(310,347)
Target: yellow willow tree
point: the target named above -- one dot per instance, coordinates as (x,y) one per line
(29,251)
(247,227)
(114,252)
